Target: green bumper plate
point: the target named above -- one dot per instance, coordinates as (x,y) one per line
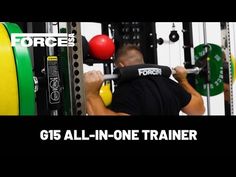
(233,67)
(24,73)
(216,71)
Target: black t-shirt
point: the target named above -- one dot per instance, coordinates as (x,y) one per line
(150,96)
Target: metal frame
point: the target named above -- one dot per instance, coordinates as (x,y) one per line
(208,72)
(54,107)
(39,54)
(188,49)
(106,66)
(147,37)
(75,64)
(228,58)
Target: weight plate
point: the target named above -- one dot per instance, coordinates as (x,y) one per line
(216,71)
(9,102)
(24,73)
(233,67)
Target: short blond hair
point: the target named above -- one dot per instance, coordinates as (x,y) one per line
(125,49)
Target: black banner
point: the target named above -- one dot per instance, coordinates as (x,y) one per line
(117,136)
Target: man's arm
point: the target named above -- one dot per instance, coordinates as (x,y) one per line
(94,104)
(196,104)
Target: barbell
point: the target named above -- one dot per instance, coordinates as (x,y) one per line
(131,72)
(213,55)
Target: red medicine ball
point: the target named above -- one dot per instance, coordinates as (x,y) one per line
(101,47)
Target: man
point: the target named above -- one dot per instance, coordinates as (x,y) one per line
(150,95)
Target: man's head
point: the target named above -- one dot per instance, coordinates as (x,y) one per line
(128,55)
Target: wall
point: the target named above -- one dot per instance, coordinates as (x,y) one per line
(88,30)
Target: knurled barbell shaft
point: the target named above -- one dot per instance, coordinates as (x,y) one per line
(110,76)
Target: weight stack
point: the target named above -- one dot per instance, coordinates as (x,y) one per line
(139,33)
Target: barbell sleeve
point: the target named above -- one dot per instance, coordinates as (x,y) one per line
(195,70)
